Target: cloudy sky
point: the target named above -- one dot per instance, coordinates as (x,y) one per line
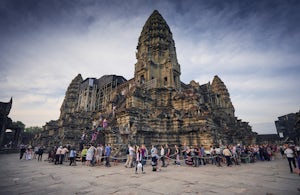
(253,46)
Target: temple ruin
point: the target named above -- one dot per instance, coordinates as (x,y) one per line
(154,107)
(5,121)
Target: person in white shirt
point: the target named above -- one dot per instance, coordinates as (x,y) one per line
(217,156)
(57,155)
(162,155)
(63,154)
(154,158)
(227,154)
(289,152)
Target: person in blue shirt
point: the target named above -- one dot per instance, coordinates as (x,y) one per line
(107,154)
(73,156)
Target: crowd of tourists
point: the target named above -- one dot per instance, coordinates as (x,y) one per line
(164,155)
(29,153)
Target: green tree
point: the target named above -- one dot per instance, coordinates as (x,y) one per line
(19,128)
(18,125)
(33,130)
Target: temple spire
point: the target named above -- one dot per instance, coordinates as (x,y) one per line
(70,102)
(218,87)
(156,54)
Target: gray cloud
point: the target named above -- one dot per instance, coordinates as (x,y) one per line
(252,45)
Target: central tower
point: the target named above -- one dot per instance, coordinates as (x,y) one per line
(156,55)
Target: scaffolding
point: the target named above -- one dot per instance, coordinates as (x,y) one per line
(106,85)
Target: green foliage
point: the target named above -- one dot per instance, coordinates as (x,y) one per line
(33,130)
(18,125)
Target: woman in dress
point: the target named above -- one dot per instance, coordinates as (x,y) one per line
(28,153)
(139,164)
(90,155)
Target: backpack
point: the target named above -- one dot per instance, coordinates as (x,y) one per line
(40,151)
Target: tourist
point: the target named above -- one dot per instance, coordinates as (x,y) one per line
(269,152)
(144,154)
(40,153)
(188,159)
(298,157)
(63,154)
(162,155)
(99,153)
(281,150)
(82,140)
(290,155)
(232,149)
(265,153)
(253,153)
(176,154)
(115,158)
(67,155)
(213,156)
(36,150)
(58,155)
(184,149)
(227,154)
(22,150)
(90,155)
(138,164)
(168,153)
(153,151)
(28,154)
(218,155)
(196,156)
(261,153)
(104,123)
(72,156)
(130,156)
(94,136)
(254,150)
(127,156)
(202,155)
(107,155)
(154,158)
(83,136)
(83,155)
(51,154)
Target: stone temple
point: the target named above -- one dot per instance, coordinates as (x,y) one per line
(154,107)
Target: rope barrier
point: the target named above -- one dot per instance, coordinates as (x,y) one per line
(181,159)
(166,157)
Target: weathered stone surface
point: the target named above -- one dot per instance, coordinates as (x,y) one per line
(5,121)
(70,102)
(288,127)
(68,128)
(154,107)
(33,177)
(156,54)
